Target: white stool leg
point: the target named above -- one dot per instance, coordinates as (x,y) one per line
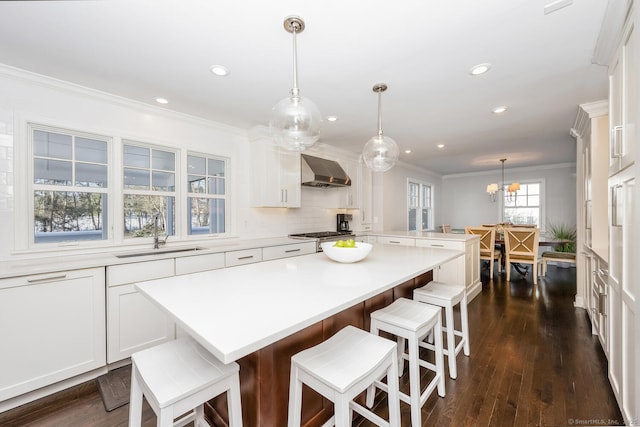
(401,344)
(165,417)
(439,360)
(465,324)
(199,420)
(451,341)
(295,399)
(371,390)
(234,402)
(342,412)
(135,401)
(414,382)
(393,396)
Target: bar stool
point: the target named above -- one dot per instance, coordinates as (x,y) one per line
(341,368)
(177,377)
(447,295)
(412,321)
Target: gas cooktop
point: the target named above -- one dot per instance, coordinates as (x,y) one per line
(322,234)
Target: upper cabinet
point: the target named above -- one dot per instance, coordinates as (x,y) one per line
(275,173)
(623,88)
(366,197)
(350,196)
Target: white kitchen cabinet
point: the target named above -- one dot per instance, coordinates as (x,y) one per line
(393,240)
(133,322)
(241,257)
(275,173)
(52,328)
(464,269)
(366,197)
(350,196)
(623,87)
(197,263)
(285,251)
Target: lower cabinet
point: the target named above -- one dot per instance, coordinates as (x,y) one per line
(393,240)
(52,328)
(286,251)
(134,323)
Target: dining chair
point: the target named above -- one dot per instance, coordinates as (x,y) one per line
(488,251)
(445,228)
(521,247)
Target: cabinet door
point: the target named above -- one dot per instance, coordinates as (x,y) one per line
(391,240)
(615,116)
(134,323)
(451,272)
(275,175)
(53,328)
(629,98)
(366,197)
(349,196)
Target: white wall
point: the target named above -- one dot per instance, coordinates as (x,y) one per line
(394,195)
(466,202)
(27,96)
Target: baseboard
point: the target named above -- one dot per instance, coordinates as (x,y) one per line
(473,291)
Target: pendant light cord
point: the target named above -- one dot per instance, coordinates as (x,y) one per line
(379,113)
(295,92)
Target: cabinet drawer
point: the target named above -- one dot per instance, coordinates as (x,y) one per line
(194,264)
(139,271)
(440,244)
(246,256)
(285,251)
(388,240)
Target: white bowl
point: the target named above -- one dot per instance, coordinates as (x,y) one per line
(346,255)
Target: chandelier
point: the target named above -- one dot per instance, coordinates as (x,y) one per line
(295,121)
(512,189)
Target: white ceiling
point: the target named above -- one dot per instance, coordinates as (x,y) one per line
(423,49)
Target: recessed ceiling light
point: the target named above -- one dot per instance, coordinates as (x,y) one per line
(440,145)
(219,70)
(499,110)
(407,151)
(479,69)
(331,118)
(162,100)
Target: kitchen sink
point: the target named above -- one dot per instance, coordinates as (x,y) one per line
(158,252)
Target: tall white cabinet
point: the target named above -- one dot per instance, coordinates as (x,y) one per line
(624,280)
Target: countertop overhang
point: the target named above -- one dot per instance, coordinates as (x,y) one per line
(235,311)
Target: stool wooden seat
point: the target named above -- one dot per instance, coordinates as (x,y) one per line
(177,377)
(412,321)
(341,368)
(568,257)
(447,295)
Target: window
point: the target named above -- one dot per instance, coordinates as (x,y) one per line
(149,180)
(523,207)
(420,204)
(206,194)
(70,185)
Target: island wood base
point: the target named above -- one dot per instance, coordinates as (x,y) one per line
(264,375)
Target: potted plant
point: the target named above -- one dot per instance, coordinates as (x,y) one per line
(564,232)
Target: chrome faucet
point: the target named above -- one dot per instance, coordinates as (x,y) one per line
(156,241)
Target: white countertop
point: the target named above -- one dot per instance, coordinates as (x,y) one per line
(427,235)
(61,261)
(235,311)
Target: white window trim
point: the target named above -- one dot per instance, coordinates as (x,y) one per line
(543,199)
(432,214)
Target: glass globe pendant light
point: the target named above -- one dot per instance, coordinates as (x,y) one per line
(380,153)
(295,121)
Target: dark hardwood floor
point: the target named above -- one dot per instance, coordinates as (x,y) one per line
(533,362)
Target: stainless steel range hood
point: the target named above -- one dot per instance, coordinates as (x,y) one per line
(323,173)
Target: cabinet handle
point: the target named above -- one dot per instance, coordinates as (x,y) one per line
(46,279)
(614,206)
(616,152)
(394,241)
(245,257)
(602,304)
(433,245)
(291,250)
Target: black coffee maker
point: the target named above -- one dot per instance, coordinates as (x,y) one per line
(342,222)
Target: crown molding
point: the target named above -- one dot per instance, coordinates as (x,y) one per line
(615,17)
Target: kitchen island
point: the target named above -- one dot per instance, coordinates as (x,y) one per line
(261,314)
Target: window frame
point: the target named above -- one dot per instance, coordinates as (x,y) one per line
(422,186)
(542,196)
(225,196)
(23,235)
(32,187)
